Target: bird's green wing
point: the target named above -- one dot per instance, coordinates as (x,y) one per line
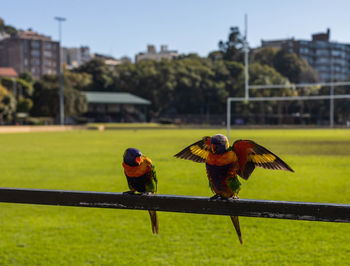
(152,185)
(251,154)
(197,152)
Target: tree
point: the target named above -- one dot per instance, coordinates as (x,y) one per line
(295,68)
(265,56)
(264,75)
(8,29)
(24,105)
(46,98)
(7,105)
(233,47)
(102,75)
(79,81)
(24,88)
(216,55)
(27,76)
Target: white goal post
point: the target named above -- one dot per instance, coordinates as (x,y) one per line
(330,97)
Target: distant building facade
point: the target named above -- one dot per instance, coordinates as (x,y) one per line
(76,56)
(331,60)
(108,60)
(152,54)
(32,52)
(116,107)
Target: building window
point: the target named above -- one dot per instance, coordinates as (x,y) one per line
(321,44)
(304,50)
(47,53)
(35,44)
(321,52)
(35,70)
(47,45)
(36,62)
(26,46)
(47,63)
(35,53)
(321,60)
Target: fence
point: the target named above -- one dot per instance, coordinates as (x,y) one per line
(185,204)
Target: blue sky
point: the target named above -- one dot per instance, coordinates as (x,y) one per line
(124,27)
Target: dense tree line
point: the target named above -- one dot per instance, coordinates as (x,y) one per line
(189,84)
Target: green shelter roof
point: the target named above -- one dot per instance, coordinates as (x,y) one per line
(114,98)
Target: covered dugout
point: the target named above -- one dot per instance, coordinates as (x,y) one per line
(116,107)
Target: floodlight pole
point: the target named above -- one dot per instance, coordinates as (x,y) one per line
(331,101)
(228,117)
(246,78)
(246,50)
(61,100)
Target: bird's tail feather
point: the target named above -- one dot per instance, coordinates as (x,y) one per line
(154,221)
(235,222)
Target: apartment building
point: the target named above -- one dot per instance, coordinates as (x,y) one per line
(330,59)
(32,52)
(152,54)
(75,56)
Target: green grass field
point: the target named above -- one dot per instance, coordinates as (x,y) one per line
(91,161)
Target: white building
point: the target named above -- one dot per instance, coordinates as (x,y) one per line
(152,54)
(74,57)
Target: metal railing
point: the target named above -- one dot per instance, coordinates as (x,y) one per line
(327,212)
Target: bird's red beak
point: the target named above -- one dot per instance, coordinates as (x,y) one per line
(138,160)
(213,148)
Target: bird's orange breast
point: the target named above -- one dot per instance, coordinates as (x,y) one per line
(139,170)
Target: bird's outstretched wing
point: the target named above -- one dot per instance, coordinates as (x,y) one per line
(197,152)
(251,154)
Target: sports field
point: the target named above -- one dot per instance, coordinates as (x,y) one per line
(91,161)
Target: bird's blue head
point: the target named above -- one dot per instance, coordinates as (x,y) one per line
(219,144)
(132,157)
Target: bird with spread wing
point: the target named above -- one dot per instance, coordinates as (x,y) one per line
(224,162)
(141,176)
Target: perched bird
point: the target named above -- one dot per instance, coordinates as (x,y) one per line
(141,176)
(224,162)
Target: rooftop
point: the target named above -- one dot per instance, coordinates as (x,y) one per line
(30,34)
(114,98)
(8,72)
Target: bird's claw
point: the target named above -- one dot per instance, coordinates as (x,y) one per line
(234,197)
(146,193)
(216,197)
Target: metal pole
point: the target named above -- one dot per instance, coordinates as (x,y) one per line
(331,101)
(61,100)
(300,85)
(246,73)
(228,115)
(14,88)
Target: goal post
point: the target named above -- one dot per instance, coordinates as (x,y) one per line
(330,97)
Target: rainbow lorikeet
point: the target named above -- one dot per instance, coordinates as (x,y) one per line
(224,162)
(141,176)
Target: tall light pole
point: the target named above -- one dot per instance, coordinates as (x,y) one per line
(246,51)
(60,20)
(331,101)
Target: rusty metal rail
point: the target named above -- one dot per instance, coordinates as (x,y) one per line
(186,204)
